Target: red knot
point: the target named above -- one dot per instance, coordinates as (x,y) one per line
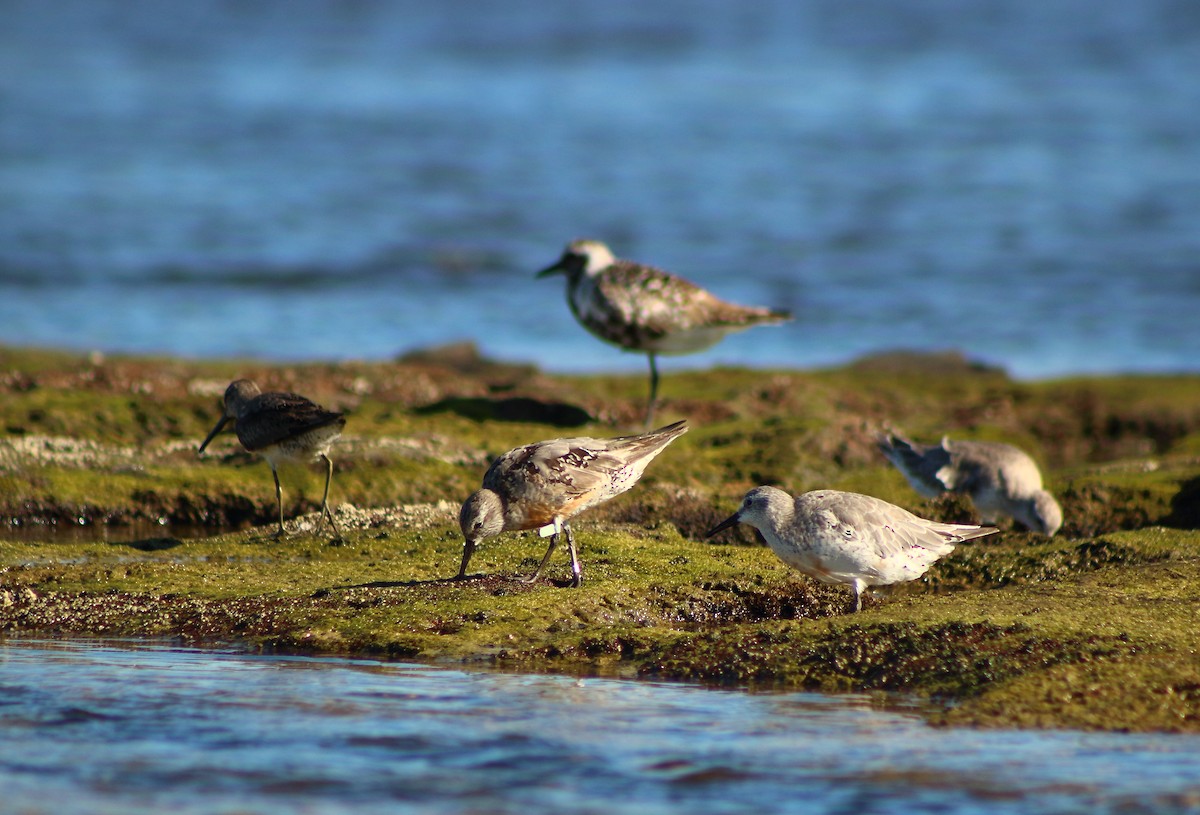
(999,479)
(543,485)
(845,537)
(282,427)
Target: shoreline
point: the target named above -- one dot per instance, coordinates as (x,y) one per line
(1091,629)
(620,362)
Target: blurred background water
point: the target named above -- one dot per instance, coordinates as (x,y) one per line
(1017,179)
(90,728)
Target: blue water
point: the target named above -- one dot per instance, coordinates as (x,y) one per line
(1019,180)
(90,728)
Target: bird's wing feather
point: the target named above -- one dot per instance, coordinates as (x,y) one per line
(890,530)
(658,302)
(561,471)
(644,299)
(274,417)
(559,468)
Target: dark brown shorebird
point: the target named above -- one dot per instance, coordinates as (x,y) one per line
(543,485)
(641,308)
(282,427)
(1000,479)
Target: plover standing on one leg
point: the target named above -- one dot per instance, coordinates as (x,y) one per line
(999,479)
(641,308)
(845,537)
(543,485)
(282,427)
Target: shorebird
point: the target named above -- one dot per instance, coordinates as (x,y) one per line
(845,537)
(543,485)
(641,308)
(282,427)
(999,479)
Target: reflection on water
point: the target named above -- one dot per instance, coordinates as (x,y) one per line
(94,728)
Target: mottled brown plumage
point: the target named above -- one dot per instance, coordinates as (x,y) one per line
(642,308)
(545,484)
(281,427)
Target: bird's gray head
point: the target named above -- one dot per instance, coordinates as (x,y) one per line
(581,257)
(1041,514)
(237,395)
(759,508)
(481,516)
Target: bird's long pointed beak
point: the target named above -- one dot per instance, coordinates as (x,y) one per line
(468,550)
(557,268)
(224,420)
(732,520)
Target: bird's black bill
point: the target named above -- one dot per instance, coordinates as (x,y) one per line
(213,434)
(557,268)
(732,520)
(468,550)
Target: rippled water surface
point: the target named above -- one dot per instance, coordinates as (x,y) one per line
(299,179)
(90,728)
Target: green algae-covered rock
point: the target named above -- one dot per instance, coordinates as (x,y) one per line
(116,527)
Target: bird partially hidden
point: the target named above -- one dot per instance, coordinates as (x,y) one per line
(282,427)
(641,308)
(543,485)
(999,479)
(848,538)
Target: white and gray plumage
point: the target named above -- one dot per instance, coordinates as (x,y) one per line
(641,308)
(543,485)
(845,537)
(999,479)
(282,427)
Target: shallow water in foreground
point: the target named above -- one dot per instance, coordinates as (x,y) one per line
(93,728)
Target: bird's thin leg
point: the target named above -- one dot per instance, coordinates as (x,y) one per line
(278,501)
(545,559)
(857,597)
(576,571)
(325,512)
(653,391)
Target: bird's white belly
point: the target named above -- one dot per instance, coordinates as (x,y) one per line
(840,561)
(826,562)
(302,448)
(689,341)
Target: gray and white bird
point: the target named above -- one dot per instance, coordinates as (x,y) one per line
(999,479)
(641,308)
(543,485)
(282,427)
(845,537)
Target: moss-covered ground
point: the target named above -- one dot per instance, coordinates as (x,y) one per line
(115,527)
